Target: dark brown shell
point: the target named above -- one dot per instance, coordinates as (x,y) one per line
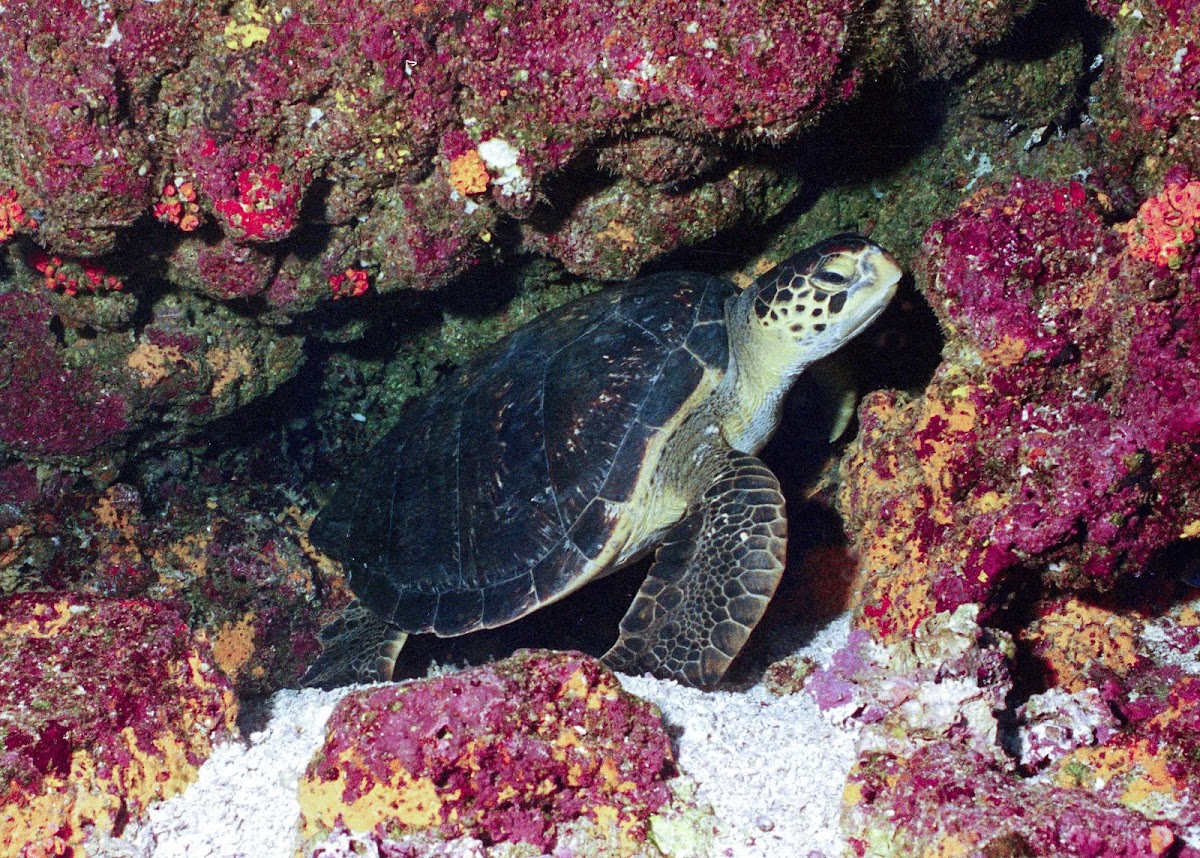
(488,496)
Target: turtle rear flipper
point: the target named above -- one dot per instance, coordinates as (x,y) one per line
(711,580)
(355,647)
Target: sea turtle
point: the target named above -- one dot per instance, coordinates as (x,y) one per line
(625,420)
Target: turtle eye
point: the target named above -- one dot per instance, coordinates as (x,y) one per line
(831,277)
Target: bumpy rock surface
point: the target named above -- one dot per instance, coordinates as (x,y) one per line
(106,705)
(247,120)
(77,387)
(947,800)
(1139,668)
(156,158)
(523,751)
(1059,436)
(237,566)
(1146,95)
(187,188)
(1102,765)
(1056,448)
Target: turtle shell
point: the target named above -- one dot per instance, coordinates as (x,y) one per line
(499,489)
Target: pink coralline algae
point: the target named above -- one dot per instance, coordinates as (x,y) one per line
(709,68)
(1060,435)
(239,567)
(48,406)
(274,115)
(75,93)
(1107,769)
(1152,766)
(1147,93)
(1160,75)
(70,393)
(943,799)
(1127,665)
(105,707)
(1057,446)
(512,752)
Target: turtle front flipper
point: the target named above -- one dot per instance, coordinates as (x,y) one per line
(711,579)
(355,647)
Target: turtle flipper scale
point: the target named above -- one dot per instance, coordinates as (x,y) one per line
(356,647)
(711,579)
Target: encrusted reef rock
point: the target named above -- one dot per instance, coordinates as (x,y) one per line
(1053,457)
(1099,770)
(187,188)
(106,705)
(1127,729)
(1146,95)
(614,230)
(948,680)
(179,181)
(543,749)
(1059,436)
(947,800)
(243,121)
(426,119)
(79,387)
(51,407)
(946,33)
(238,566)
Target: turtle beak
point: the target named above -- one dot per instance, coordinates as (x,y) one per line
(872,291)
(887,271)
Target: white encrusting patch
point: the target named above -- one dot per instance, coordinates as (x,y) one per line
(501,159)
(114,36)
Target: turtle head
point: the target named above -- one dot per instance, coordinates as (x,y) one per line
(801,311)
(818,299)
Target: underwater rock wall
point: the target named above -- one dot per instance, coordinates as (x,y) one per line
(283,156)
(1047,482)
(1060,433)
(404,130)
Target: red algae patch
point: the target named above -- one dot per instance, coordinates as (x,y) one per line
(1145,671)
(238,116)
(50,408)
(946,801)
(514,752)
(1102,770)
(1059,435)
(1051,459)
(106,705)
